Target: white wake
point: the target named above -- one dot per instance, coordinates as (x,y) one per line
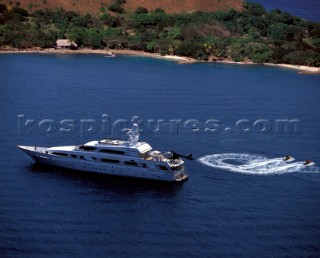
(254,164)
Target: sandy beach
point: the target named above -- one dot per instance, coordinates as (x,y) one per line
(179,59)
(301,68)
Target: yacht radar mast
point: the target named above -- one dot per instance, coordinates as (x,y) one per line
(133,134)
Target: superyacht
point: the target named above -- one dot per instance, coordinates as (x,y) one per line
(129,158)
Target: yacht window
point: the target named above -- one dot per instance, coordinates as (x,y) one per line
(86,148)
(112,151)
(163,167)
(110,160)
(81,157)
(60,154)
(73,156)
(131,163)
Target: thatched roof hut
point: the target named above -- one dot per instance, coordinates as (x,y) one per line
(66,43)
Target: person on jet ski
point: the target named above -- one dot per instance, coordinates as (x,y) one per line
(308,161)
(287,158)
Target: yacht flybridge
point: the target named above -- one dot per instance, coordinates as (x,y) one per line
(129,158)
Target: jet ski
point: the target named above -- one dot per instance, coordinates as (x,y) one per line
(288,158)
(308,162)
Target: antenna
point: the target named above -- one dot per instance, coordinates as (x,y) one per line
(133,134)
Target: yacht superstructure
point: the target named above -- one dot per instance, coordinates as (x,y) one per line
(129,158)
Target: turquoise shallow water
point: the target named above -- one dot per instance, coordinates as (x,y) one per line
(240,200)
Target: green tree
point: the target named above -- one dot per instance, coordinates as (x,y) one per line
(93,38)
(278,32)
(258,52)
(191,49)
(134,41)
(151,46)
(141,10)
(215,47)
(254,8)
(117,8)
(107,19)
(237,49)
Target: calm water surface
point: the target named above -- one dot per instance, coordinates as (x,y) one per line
(220,211)
(308,9)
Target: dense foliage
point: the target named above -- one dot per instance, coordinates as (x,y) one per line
(253,34)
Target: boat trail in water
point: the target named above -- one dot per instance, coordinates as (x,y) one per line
(255,164)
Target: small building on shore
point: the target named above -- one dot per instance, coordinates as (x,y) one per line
(66,44)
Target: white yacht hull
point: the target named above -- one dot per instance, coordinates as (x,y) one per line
(39,155)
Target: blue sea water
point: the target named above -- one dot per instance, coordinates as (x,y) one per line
(308,9)
(241,200)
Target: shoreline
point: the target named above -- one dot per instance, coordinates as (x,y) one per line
(302,69)
(129,52)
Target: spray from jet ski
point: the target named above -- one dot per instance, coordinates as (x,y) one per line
(257,164)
